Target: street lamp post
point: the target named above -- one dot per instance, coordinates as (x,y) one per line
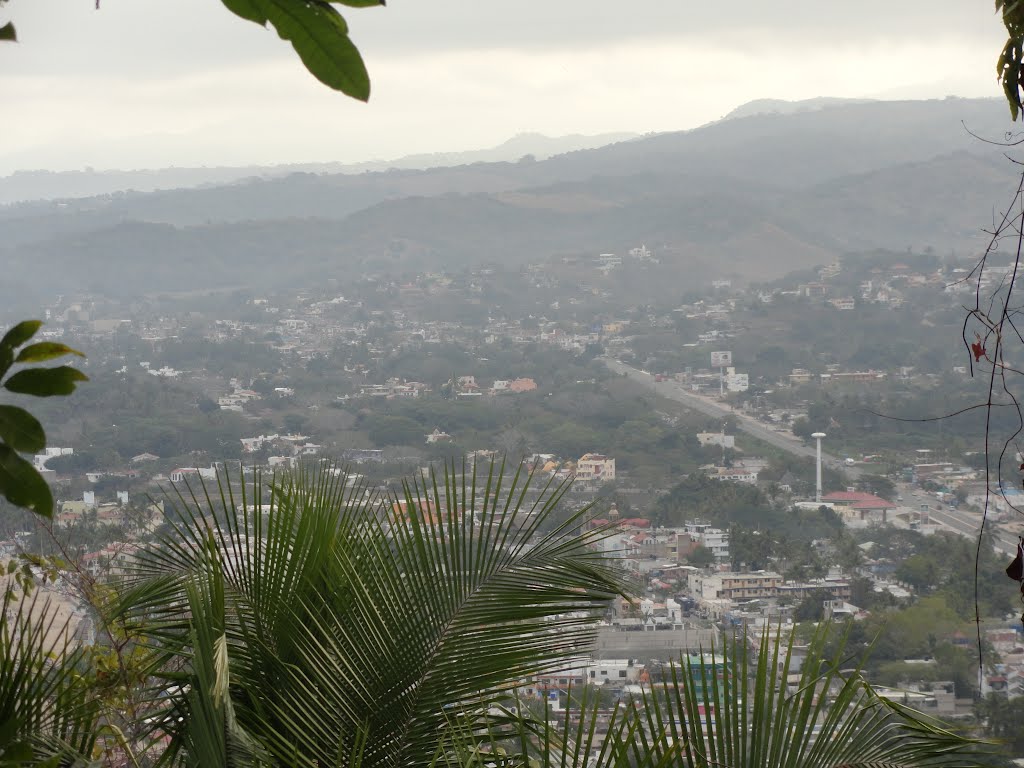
(817,487)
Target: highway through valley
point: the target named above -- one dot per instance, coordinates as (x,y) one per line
(673,390)
(959,521)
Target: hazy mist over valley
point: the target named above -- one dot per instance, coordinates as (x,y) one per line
(747,198)
(615,387)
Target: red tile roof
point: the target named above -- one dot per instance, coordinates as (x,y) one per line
(858,500)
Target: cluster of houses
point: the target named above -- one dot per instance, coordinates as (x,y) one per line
(468,387)
(886,285)
(237,398)
(391,389)
(1006,677)
(661,556)
(290,447)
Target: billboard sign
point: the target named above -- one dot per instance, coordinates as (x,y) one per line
(721,359)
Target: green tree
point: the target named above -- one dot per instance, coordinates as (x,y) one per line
(295,423)
(1003,719)
(812,607)
(207,405)
(878,485)
(920,572)
(751,550)
(802,428)
(395,430)
(701,557)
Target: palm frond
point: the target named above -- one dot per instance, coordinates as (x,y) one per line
(355,625)
(45,711)
(720,710)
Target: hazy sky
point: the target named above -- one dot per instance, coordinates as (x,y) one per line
(142,83)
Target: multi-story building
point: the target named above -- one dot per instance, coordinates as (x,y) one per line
(595,468)
(736,586)
(714,539)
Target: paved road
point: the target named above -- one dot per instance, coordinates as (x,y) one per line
(675,391)
(963,522)
(958,521)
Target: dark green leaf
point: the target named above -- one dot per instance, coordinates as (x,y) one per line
(20,430)
(22,485)
(7,32)
(20,333)
(251,10)
(359,3)
(45,382)
(318,34)
(43,351)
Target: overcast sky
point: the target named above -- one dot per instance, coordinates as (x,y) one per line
(147,83)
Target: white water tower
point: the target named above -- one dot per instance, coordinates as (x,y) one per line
(817,488)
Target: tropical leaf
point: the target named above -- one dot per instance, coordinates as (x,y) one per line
(319,35)
(22,485)
(320,624)
(45,715)
(21,430)
(45,382)
(723,711)
(43,351)
(16,336)
(356,625)
(720,710)
(19,334)
(1010,63)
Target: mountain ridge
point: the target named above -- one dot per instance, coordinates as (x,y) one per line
(750,198)
(38,185)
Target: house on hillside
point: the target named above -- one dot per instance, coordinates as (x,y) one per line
(522,385)
(595,468)
(738,474)
(437,436)
(204,473)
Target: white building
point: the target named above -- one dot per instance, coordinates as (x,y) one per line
(717,439)
(619,671)
(437,436)
(595,468)
(714,539)
(735,474)
(204,473)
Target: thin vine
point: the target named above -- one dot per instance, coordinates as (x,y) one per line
(990,332)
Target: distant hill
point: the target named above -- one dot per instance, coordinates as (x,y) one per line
(750,197)
(782,107)
(27,186)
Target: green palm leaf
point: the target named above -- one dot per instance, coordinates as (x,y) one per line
(46,714)
(354,625)
(722,710)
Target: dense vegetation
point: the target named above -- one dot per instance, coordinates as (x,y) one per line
(303,623)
